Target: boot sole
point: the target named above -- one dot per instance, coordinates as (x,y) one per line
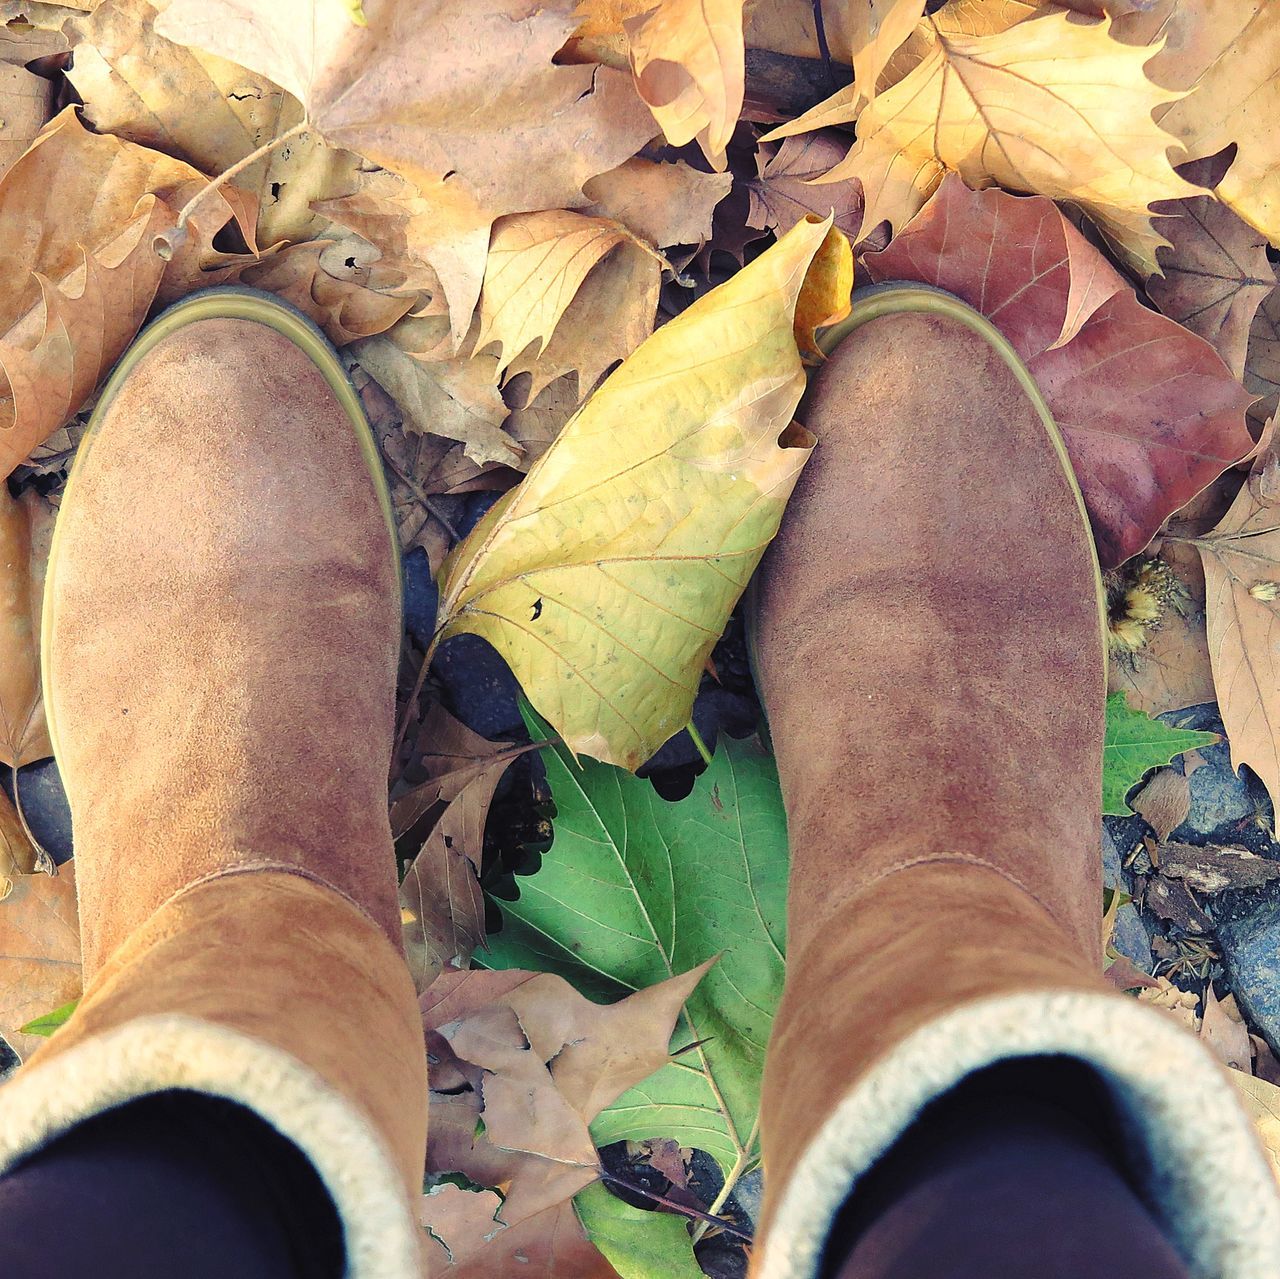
(230,302)
(891,298)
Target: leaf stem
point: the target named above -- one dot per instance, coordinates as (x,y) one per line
(705,1218)
(692,729)
(168,243)
(731,1181)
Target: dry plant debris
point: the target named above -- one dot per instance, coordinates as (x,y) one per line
(576,252)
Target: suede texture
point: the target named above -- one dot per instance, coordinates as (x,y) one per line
(225,632)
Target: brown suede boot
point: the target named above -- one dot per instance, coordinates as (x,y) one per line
(221,630)
(931,657)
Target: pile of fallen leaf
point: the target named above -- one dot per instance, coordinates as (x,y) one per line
(575,255)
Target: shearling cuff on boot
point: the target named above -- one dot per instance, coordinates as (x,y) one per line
(277,993)
(941,972)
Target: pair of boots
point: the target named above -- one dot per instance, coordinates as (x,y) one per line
(221,636)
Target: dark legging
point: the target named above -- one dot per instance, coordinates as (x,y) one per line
(1017,1174)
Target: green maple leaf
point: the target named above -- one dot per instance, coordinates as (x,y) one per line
(635,889)
(1135,744)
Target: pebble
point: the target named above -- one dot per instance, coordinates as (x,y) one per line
(1251,948)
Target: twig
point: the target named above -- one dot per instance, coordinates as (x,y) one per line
(824,49)
(168,243)
(420,493)
(44,863)
(704,1217)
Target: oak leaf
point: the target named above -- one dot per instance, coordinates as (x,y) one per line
(39,952)
(1242,586)
(198,107)
(1053,106)
(73,291)
(663,203)
(26,528)
(541,1061)
(607,576)
(1149,412)
(1216,272)
(454,397)
(689,61)
(463,101)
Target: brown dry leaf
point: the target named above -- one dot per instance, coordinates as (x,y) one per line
(689,61)
(1164,802)
(24,107)
(453,397)
(1172,668)
(879,27)
(1223,1032)
(345,310)
(1225,52)
(1149,412)
(1053,106)
(1262,1102)
(1262,364)
(18,855)
(564,293)
(39,952)
(73,291)
(664,203)
(441,905)
(1242,580)
(26,527)
(536,421)
(785,190)
(463,101)
(1216,272)
(30,29)
(1179,1004)
(543,1061)
(203,109)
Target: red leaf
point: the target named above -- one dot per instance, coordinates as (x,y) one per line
(1150,413)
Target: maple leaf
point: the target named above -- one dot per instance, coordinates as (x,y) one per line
(464,102)
(541,1061)
(27,99)
(1241,559)
(784,192)
(1224,51)
(454,397)
(39,952)
(205,110)
(1262,361)
(689,61)
(633,889)
(26,529)
(1216,272)
(1051,106)
(76,289)
(1149,412)
(663,203)
(607,576)
(537,263)
(345,310)
(1135,744)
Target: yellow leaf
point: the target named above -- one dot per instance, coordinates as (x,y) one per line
(606,577)
(26,525)
(1262,1102)
(565,293)
(690,67)
(464,101)
(203,109)
(879,27)
(1052,106)
(1228,53)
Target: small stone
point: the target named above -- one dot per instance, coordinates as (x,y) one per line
(1251,950)
(1220,799)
